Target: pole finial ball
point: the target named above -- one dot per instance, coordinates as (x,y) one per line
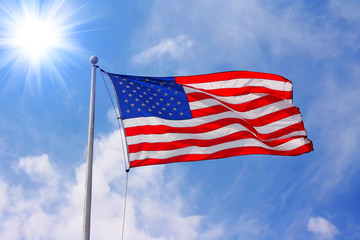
(94,59)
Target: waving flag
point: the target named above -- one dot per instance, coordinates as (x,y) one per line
(219,115)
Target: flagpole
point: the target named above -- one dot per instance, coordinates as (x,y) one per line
(89,163)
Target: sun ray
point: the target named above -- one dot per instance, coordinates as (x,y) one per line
(33,34)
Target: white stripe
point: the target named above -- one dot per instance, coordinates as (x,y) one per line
(301,133)
(205,103)
(169,137)
(244,82)
(230,100)
(213,134)
(288,146)
(252,114)
(280,124)
(161,138)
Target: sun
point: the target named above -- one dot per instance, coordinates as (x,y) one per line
(36,37)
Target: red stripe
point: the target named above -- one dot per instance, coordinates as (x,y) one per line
(223,154)
(213,77)
(273,117)
(211,126)
(243,107)
(207,127)
(256,122)
(228,92)
(161,146)
(209,142)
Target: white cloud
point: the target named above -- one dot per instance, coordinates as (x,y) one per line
(47,209)
(172,48)
(322,228)
(37,167)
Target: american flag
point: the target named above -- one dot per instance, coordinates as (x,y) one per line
(211,116)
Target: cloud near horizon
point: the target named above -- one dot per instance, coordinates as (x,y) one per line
(48,203)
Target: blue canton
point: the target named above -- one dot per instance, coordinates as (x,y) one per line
(149,97)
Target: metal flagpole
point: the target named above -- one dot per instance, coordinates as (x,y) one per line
(88,184)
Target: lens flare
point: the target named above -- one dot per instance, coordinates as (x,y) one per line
(37,37)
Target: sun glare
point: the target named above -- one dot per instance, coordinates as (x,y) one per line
(37,37)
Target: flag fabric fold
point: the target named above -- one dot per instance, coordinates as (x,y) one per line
(210,116)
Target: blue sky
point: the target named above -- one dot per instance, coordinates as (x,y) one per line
(44,104)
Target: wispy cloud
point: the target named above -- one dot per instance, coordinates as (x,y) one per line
(171,48)
(348,10)
(250,228)
(333,113)
(248,33)
(322,228)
